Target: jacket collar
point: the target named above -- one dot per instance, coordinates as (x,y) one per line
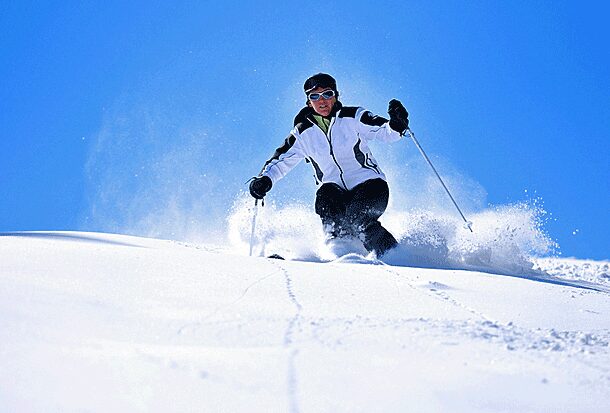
(306,114)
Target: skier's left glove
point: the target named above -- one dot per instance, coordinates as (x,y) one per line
(399,117)
(260,186)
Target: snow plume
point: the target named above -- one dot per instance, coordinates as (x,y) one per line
(151,173)
(505,238)
(293,231)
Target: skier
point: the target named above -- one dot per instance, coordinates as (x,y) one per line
(333,138)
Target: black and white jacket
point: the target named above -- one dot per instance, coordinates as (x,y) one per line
(341,155)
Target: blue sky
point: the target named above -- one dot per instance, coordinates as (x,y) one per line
(114,115)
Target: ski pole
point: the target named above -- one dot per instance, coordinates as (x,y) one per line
(253,225)
(412,135)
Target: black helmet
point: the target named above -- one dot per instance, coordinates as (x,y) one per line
(320,80)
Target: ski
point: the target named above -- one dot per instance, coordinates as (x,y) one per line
(276,257)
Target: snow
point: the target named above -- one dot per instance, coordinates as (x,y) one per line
(101,322)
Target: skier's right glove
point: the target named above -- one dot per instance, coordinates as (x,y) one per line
(399,117)
(260,186)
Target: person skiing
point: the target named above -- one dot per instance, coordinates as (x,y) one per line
(333,138)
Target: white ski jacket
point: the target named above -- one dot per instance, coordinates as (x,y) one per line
(341,155)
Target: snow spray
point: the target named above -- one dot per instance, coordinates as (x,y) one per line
(506,241)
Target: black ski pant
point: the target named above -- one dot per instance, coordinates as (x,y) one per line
(356,212)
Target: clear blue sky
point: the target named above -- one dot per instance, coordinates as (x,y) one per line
(120,112)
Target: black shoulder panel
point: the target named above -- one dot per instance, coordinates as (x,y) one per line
(348,112)
(303,126)
(372,120)
(301,120)
(302,115)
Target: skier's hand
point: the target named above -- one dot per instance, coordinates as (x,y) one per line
(260,186)
(399,117)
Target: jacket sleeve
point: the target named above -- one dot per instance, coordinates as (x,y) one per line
(284,158)
(375,127)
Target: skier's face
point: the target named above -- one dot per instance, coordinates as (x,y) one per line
(322,106)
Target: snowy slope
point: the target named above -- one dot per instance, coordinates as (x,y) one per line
(108,323)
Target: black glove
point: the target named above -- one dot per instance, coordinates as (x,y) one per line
(399,117)
(260,186)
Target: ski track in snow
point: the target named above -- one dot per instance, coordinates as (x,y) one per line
(289,343)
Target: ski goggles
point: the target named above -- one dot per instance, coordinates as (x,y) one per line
(327,94)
